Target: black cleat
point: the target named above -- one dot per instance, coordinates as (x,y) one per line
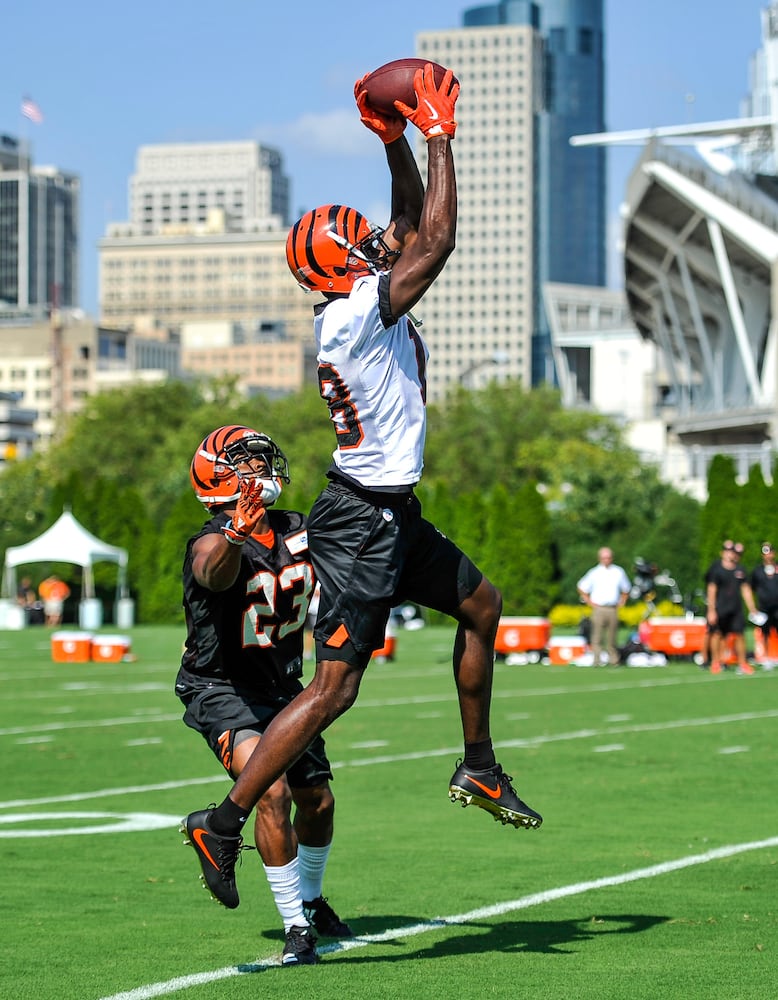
(492,790)
(217,856)
(300,947)
(326,921)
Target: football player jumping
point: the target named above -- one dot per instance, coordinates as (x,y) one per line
(369,544)
(247,583)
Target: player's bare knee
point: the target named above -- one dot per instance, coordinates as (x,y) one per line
(493,602)
(480,612)
(334,689)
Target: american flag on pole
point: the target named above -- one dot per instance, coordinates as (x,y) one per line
(31,110)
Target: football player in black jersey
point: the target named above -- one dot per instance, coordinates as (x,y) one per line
(248,581)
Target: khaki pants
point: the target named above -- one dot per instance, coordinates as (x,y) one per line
(605,622)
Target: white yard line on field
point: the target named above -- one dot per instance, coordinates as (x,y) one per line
(530,741)
(483,913)
(54,727)
(366,703)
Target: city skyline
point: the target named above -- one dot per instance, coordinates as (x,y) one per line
(106,86)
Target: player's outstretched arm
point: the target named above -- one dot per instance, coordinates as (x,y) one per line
(407,190)
(426,251)
(425,254)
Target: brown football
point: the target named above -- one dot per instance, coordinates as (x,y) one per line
(394,82)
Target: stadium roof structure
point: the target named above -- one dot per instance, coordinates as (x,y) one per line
(700,245)
(700,268)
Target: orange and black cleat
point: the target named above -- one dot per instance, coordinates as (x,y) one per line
(217,856)
(492,790)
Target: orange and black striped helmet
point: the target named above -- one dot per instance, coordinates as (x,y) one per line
(213,471)
(330,246)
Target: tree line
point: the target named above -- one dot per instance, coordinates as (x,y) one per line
(528,489)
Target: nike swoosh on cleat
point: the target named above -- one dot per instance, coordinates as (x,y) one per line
(493,793)
(197,835)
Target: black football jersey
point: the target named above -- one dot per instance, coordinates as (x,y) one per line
(252,633)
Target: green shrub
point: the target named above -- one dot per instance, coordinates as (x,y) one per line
(630,616)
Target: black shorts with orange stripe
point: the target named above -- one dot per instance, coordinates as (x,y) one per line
(372,551)
(220,711)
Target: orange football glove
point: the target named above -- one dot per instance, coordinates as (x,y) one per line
(386,127)
(434,111)
(249,511)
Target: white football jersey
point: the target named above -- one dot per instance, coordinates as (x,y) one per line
(373,380)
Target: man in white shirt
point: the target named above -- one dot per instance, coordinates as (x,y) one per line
(604,589)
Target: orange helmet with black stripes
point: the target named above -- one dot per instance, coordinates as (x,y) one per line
(330,246)
(213,472)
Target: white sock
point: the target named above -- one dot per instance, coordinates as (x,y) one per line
(284,882)
(312,862)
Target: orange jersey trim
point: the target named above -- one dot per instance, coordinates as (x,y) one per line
(266,538)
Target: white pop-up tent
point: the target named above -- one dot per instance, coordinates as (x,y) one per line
(66,541)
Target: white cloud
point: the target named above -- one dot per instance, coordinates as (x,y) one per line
(334,133)
(332,157)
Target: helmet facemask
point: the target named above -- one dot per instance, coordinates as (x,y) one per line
(372,250)
(276,466)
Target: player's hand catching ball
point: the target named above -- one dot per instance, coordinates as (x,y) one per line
(434,111)
(249,511)
(386,127)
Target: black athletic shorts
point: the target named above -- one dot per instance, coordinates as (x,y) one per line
(221,711)
(730,623)
(371,552)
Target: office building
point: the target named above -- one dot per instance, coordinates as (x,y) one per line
(178,184)
(205,243)
(39,232)
(267,364)
(531,208)
(17,432)
(50,367)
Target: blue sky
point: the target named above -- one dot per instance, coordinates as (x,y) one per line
(112,77)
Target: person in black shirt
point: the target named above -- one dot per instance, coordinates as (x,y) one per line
(727,587)
(764,584)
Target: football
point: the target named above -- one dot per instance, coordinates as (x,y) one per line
(394,82)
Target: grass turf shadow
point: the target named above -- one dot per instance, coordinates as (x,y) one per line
(548,937)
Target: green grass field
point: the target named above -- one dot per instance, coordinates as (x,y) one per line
(655,874)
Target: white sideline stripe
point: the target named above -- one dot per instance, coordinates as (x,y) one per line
(483,913)
(53,727)
(47,727)
(532,741)
(547,692)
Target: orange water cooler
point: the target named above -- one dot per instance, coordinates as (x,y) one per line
(522,635)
